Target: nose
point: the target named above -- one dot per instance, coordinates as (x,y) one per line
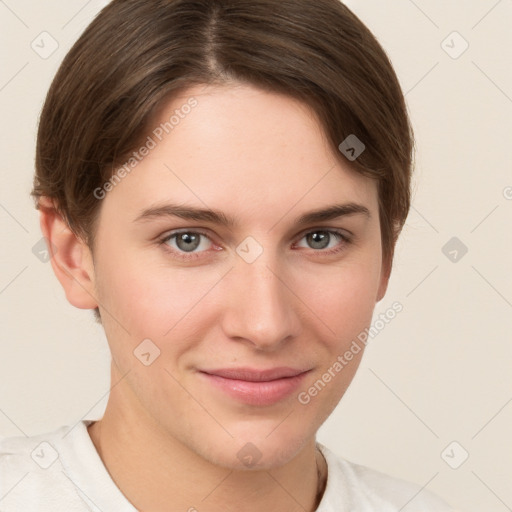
(260,306)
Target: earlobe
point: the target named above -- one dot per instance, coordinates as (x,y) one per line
(70,257)
(384,279)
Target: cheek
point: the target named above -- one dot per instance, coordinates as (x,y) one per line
(343,298)
(130,285)
(151,300)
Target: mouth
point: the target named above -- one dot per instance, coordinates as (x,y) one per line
(256,387)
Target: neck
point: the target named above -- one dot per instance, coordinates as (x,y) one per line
(153,470)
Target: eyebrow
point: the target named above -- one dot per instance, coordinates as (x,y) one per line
(218,217)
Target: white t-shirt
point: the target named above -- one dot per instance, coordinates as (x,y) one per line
(61,471)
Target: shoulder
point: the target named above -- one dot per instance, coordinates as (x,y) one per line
(364,489)
(27,453)
(31,472)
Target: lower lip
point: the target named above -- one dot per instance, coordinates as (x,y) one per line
(257,393)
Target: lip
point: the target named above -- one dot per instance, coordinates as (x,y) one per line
(256,387)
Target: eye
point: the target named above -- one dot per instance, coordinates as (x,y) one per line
(184,243)
(321,239)
(189,245)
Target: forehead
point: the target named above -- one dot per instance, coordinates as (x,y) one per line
(239,149)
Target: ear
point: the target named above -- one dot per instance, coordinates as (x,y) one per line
(70,257)
(384,277)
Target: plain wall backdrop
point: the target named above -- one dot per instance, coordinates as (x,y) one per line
(435,384)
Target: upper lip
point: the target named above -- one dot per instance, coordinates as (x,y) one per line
(255,375)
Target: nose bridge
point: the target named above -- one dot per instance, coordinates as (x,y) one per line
(261,308)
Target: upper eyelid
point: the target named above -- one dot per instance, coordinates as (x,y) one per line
(326,229)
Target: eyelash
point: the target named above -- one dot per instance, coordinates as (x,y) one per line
(192,256)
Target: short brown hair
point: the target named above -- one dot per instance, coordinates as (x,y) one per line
(138,53)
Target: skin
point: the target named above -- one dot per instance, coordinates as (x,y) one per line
(167,437)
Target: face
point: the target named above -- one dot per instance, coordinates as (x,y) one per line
(275,288)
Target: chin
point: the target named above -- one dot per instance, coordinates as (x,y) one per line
(259,451)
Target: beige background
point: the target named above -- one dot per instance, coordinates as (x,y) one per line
(438,373)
